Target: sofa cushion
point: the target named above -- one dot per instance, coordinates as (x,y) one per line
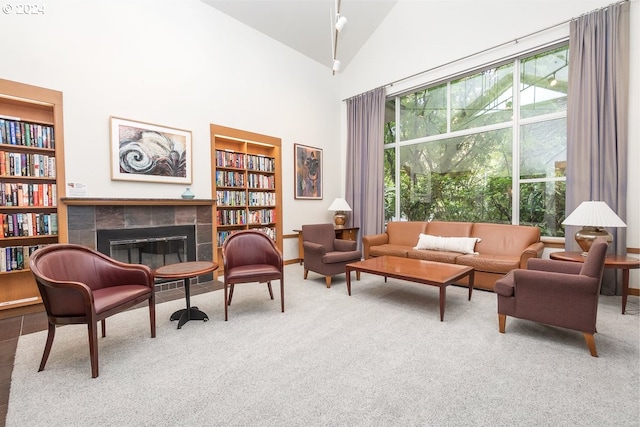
(449,229)
(463,245)
(437,256)
(503,239)
(490,263)
(405,233)
(388,249)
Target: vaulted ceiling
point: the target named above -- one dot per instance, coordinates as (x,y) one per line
(306,25)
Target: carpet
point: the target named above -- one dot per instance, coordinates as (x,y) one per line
(380,357)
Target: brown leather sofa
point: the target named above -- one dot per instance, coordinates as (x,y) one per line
(502,247)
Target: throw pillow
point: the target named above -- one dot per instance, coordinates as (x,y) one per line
(465,245)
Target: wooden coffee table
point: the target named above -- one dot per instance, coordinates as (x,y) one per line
(414,270)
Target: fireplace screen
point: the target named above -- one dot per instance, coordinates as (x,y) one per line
(152,246)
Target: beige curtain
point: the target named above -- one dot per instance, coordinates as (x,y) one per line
(364,183)
(597,120)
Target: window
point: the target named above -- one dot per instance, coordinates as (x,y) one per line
(489,146)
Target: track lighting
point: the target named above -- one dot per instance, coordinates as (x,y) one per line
(341,22)
(336,65)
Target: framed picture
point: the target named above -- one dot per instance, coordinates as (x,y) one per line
(308,172)
(150,153)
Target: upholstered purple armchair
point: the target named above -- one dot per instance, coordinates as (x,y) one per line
(251,256)
(558,293)
(81,286)
(325,254)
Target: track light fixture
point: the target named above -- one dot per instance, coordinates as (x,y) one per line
(338,22)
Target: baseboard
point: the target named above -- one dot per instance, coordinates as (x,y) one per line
(634,292)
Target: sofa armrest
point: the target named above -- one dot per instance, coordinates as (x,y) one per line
(373,240)
(343,245)
(534,250)
(314,248)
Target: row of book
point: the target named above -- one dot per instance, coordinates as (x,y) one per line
(229,179)
(255,180)
(231,198)
(16,257)
(16,132)
(28,194)
(28,224)
(27,164)
(262,216)
(231,159)
(262,198)
(231,217)
(224,234)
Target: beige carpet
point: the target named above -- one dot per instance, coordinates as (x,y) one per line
(379,357)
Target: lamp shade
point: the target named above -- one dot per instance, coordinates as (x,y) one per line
(594,214)
(340,204)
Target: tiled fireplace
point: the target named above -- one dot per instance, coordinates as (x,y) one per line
(171,232)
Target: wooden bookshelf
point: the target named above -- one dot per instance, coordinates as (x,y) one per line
(246,180)
(31,185)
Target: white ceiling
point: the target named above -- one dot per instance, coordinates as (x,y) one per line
(306,25)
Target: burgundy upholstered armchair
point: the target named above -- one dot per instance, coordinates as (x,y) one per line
(251,256)
(558,293)
(81,286)
(325,254)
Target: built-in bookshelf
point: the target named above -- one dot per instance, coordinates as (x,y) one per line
(30,172)
(247,184)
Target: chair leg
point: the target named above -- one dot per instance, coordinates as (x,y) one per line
(270,290)
(591,343)
(357,275)
(226,314)
(152,316)
(93,347)
(306,272)
(502,320)
(230,294)
(327,280)
(104,328)
(47,348)
(282,292)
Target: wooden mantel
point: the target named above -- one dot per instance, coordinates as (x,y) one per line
(90,201)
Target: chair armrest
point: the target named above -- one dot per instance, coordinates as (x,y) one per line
(566,267)
(343,245)
(119,273)
(314,248)
(534,250)
(373,240)
(553,284)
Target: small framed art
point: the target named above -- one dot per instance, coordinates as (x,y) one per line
(308,172)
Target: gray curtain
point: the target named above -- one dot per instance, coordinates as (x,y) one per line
(597,120)
(365,141)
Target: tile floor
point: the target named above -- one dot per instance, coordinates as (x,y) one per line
(12,328)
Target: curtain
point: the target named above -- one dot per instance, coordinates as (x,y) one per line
(365,141)
(597,120)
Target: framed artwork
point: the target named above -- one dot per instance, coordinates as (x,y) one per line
(308,172)
(150,153)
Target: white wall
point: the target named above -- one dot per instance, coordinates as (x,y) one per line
(178,63)
(418,36)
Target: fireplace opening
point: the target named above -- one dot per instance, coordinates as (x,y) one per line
(151,246)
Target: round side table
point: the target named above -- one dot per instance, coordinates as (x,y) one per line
(185,271)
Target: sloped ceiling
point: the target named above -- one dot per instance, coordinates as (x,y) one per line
(306,25)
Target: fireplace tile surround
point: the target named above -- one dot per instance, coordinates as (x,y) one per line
(84,220)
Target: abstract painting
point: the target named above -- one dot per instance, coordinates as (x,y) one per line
(308,172)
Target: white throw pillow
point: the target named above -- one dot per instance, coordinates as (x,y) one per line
(466,245)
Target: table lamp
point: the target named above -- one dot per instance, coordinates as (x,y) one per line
(340,207)
(592,216)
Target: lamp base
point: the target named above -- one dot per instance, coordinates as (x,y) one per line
(340,219)
(587,235)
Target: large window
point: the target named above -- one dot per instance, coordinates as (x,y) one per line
(489,146)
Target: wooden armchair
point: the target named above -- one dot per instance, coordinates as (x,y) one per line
(558,293)
(81,286)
